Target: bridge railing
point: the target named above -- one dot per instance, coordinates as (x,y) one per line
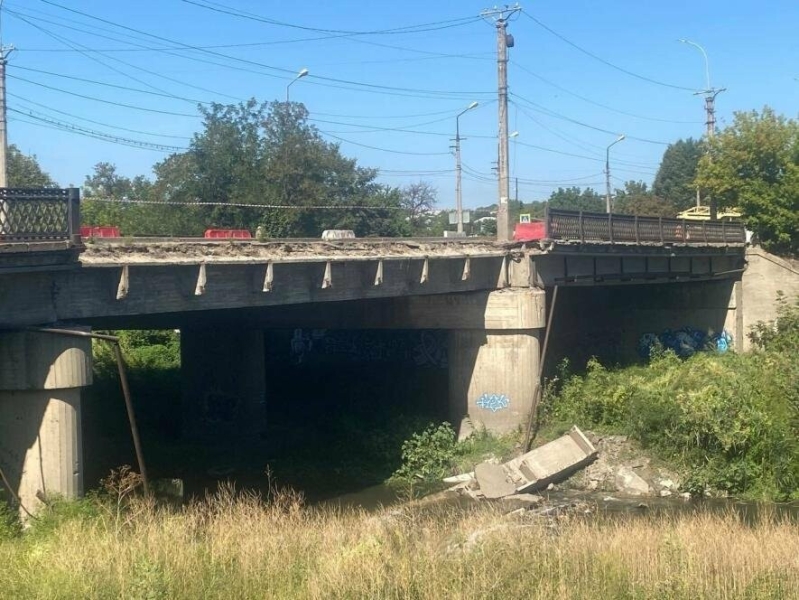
(586,227)
(40,215)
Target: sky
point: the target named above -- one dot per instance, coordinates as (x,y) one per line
(387,79)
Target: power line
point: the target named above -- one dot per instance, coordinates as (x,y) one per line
(546,111)
(571,140)
(435,26)
(70,128)
(89,56)
(602,60)
(112,85)
(73,116)
(389,150)
(120,104)
(325,81)
(599,104)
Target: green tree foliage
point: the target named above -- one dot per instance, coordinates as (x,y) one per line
(637,199)
(754,165)
(674,181)
(575,198)
(269,154)
(25,171)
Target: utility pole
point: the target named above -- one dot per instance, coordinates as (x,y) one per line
(504,41)
(5,52)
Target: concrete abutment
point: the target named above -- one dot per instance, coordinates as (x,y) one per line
(41,376)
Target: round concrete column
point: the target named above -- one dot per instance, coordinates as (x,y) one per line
(492,378)
(41,376)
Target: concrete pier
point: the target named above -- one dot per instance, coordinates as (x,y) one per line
(41,376)
(224,382)
(493,375)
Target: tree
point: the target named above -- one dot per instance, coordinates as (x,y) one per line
(754,165)
(575,198)
(106,184)
(417,201)
(268,154)
(24,171)
(674,181)
(637,199)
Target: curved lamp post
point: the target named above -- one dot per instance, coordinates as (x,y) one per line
(458,190)
(300,75)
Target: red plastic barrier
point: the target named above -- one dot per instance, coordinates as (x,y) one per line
(527,232)
(236,234)
(104,231)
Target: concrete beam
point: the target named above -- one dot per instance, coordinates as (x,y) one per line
(92,292)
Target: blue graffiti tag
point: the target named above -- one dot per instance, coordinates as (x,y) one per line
(493,402)
(684,342)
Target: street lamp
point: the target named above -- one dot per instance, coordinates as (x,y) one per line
(607,173)
(710,94)
(300,75)
(458,191)
(707,63)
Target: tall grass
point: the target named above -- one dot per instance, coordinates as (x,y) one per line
(236,546)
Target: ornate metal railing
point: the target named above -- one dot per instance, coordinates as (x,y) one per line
(40,215)
(585,227)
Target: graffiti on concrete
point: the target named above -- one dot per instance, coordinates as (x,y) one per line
(684,342)
(431,351)
(493,402)
(412,348)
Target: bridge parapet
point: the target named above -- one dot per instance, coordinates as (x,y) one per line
(39,215)
(589,228)
(39,228)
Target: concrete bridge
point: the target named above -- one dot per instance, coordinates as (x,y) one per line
(617,277)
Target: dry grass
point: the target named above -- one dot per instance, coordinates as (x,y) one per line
(239,547)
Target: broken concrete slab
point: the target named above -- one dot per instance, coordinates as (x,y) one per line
(494,481)
(463,477)
(551,462)
(628,482)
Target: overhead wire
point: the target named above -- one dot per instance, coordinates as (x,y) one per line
(67,127)
(602,60)
(551,113)
(80,48)
(315,79)
(423,27)
(599,104)
(389,150)
(193,101)
(569,139)
(108,125)
(111,102)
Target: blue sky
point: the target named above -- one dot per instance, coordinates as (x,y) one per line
(427,78)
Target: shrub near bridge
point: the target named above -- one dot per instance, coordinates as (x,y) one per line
(731,421)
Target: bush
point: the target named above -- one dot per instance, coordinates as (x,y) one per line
(428,455)
(732,421)
(782,335)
